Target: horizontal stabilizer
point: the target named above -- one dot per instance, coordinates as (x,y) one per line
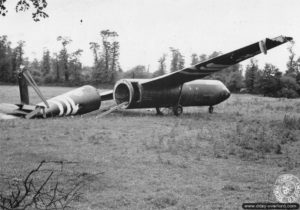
(107,95)
(7,117)
(8,108)
(21,110)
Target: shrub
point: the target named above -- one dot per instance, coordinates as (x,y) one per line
(287,93)
(291,122)
(254,140)
(48,79)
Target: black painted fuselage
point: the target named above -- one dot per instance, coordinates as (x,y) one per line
(194,93)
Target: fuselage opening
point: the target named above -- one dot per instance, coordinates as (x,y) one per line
(122,94)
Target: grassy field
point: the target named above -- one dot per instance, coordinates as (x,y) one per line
(134,159)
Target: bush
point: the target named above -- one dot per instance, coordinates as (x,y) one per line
(48,79)
(287,93)
(253,141)
(291,122)
(38,79)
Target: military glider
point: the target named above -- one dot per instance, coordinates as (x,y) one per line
(185,87)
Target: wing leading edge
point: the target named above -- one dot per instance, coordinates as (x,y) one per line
(208,67)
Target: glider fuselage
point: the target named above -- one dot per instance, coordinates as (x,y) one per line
(194,93)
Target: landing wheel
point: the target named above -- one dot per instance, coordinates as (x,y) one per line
(177,110)
(211,109)
(158,112)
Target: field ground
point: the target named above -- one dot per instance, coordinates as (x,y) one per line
(138,160)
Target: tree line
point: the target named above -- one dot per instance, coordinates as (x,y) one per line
(269,81)
(65,68)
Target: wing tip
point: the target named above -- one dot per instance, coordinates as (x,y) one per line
(283,39)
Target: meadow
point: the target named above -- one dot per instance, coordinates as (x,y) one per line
(133,159)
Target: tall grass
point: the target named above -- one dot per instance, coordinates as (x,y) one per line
(253,140)
(291,122)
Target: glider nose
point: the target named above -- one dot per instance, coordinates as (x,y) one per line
(225,94)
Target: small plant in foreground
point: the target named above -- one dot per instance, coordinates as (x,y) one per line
(41,189)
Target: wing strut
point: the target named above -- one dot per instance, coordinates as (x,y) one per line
(113,108)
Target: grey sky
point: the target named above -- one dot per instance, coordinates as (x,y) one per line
(148,28)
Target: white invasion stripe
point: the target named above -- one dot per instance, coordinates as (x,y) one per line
(60,106)
(42,104)
(63,99)
(262,46)
(72,103)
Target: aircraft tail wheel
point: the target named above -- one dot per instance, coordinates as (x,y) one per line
(177,110)
(211,109)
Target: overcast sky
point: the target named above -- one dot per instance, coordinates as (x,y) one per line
(147,28)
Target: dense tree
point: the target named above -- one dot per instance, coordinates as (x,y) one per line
(270,80)
(289,87)
(64,56)
(202,57)
(181,62)
(234,81)
(162,66)
(55,67)
(76,66)
(137,72)
(24,5)
(195,59)
(97,68)
(177,60)
(292,64)
(214,54)
(19,52)
(106,34)
(5,59)
(95,48)
(298,75)
(35,68)
(46,67)
(115,56)
(106,61)
(17,60)
(251,75)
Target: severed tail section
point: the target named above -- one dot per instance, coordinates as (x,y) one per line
(78,101)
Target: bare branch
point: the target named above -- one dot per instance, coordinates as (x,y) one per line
(44,194)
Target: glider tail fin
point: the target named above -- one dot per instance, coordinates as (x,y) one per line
(24,76)
(23,87)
